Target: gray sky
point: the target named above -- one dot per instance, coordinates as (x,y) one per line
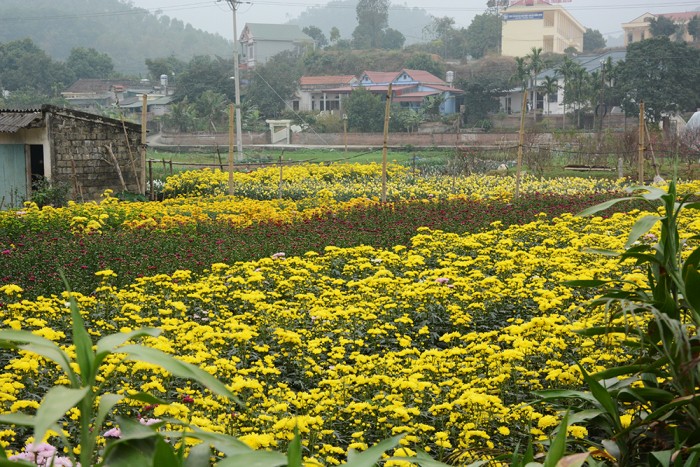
(210,15)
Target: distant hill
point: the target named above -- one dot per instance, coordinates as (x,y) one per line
(128,35)
(341,14)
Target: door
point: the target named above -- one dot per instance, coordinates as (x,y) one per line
(13,175)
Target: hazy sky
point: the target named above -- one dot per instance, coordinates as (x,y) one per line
(210,15)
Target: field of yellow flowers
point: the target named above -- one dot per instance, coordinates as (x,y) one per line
(442,338)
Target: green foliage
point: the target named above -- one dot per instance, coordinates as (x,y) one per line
(663,74)
(274,83)
(46,193)
(372,20)
(663,26)
(657,391)
(365,111)
(425,62)
(593,40)
(89,63)
(127,34)
(24,66)
(171,66)
(446,40)
(83,392)
(317,35)
(483,36)
(204,73)
(693,27)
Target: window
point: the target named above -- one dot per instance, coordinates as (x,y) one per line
(630,38)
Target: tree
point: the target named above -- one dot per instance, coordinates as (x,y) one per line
(535,66)
(274,83)
(317,35)
(483,35)
(392,39)
(23,65)
(566,70)
(372,19)
(446,40)
(365,111)
(171,66)
(204,73)
(549,86)
(335,34)
(663,74)
(593,40)
(663,27)
(212,108)
(425,62)
(89,63)
(694,28)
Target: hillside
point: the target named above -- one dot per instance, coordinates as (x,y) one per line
(341,14)
(128,35)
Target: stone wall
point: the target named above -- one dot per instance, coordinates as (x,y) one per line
(80,156)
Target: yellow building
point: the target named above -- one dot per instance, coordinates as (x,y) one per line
(542,24)
(638,29)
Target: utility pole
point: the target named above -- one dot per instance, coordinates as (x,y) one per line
(237,80)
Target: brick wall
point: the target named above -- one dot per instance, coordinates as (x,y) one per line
(80,155)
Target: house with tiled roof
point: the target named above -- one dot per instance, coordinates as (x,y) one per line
(542,24)
(259,42)
(410,89)
(639,28)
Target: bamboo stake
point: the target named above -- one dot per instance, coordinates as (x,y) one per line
(144,141)
(387,112)
(521,142)
(640,161)
(279,189)
(231,142)
(116,166)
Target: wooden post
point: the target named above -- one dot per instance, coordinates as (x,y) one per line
(521,142)
(345,131)
(150,180)
(640,161)
(279,189)
(231,142)
(387,113)
(144,143)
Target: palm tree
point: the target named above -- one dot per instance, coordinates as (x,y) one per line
(521,74)
(536,65)
(549,86)
(566,70)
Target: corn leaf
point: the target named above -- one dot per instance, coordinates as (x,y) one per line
(57,401)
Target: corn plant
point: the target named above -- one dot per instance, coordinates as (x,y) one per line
(648,411)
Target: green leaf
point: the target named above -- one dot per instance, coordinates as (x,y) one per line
(227,444)
(553,394)
(147,399)
(164,454)
(294,457)
(424,460)
(695,205)
(602,396)
(600,251)
(8,463)
(177,368)
(692,287)
(602,206)
(199,456)
(109,344)
(107,403)
(620,371)
(370,457)
(57,401)
(663,457)
(134,452)
(83,345)
(645,395)
(641,227)
(583,416)
(254,459)
(652,194)
(19,419)
(39,345)
(558,446)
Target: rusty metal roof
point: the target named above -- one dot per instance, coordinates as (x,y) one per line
(13,120)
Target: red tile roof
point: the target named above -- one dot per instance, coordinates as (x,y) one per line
(326,80)
(381,76)
(680,17)
(424,77)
